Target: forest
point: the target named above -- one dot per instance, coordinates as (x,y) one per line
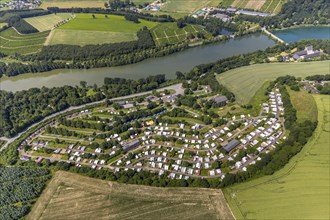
(20,186)
(23,108)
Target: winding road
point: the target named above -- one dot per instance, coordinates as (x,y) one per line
(177,88)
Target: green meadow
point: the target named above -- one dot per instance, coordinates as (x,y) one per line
(298,191)
(244,82)
(84,29)
(113,23)
(12,42)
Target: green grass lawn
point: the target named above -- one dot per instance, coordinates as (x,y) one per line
(169,33)
(79,37)
(298,191)
(244,82)
(184,6)
(47,22)
(12,42)
(305,105)
(113,23)
(83,30)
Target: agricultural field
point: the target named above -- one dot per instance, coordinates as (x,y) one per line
(47,22)
(169,33)
(244,82)
(79,37)
(72,196)
(269,6)
(298,191)
(73,3)
(84,29)
(184,6)
(13,42)
(301,99)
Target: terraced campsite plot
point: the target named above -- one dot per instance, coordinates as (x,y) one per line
(184,6)
(71,196)
(244,82)
(47,22)
(300,190)
(12,42)
(84,29)
(169,33)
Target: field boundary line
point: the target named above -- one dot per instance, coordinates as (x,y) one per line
(49,37)
(269,5)
(22,46)
(277,6)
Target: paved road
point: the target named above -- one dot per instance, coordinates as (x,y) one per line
(177,88)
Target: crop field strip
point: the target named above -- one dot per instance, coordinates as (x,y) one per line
(13,42)
(269,6)
(47,22)
(80,197)
(298,191)
(169,33)
(244,82)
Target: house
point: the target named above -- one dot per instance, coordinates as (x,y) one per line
(130,145)
(220,100)
(307,53)
(231,145)
(223,17)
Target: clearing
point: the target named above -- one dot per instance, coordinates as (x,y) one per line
(72,196)
(12,42)
(298,191)
(169,33)
(84,29)
(47,22)
(244,82)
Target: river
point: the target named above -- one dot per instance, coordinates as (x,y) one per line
(309,32)
(182,61)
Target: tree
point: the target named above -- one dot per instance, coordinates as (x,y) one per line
(83,84)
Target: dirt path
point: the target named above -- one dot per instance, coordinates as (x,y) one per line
(49,37)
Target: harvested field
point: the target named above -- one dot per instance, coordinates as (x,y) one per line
(71,196)
(47,22)
(269,6)
(255,4)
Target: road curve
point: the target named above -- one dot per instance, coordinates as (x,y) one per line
(177,88)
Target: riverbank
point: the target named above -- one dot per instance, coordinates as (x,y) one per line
(183,61)
(298,26)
